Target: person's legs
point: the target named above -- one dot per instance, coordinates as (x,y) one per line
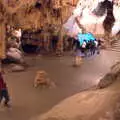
(6,96)
(98,50)
(1,96)
(53,45)
(48,45)
(85,52)
(94,49)
(38,50)
(80,60)
(76,61)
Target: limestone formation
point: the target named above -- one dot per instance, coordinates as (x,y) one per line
(37,14)
(106,81)
(22,12)
(111,77)
(17,68)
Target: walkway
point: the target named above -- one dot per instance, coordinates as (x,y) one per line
(28,101)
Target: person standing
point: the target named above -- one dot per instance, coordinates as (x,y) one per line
(78,56)
(83,48)
(3,91)
(99,45)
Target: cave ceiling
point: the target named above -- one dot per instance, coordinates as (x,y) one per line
(33,14)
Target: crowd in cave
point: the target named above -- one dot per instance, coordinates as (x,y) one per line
(36,42)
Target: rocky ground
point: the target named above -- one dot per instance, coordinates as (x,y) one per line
(65,100)
(99,104)
(90,105)
(102,103)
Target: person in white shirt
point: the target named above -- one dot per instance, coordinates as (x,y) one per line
(83,48)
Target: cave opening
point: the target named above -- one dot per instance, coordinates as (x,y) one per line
(38,5)
(30,40)
(56,12)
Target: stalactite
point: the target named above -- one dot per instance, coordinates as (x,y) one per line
(109,20)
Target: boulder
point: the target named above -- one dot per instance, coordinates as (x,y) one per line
(106,80)
(15,54)
(110,77)
(117,110)
(17,68)
(13,43)
(115,69)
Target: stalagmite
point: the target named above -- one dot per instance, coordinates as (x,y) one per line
(2,40)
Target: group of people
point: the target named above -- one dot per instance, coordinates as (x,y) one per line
(86,49)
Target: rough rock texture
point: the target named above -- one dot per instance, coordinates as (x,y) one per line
(106,80)
(15,55)
(2,41)
(115,69)
(109,78)
(92,105)
(36,14)
(102,104)
(22,13)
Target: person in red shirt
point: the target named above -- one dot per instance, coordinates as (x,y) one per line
(3,91)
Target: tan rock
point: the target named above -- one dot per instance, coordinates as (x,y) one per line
(17,68)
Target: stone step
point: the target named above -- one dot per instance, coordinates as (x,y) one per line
(116,44)
(115,47)
(112,49)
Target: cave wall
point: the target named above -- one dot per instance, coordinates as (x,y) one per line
(32,14)
(36,14)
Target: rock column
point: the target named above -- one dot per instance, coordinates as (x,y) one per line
(2,40)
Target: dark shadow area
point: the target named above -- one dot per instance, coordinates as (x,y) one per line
(30,40)
(29,48)
(106,7)
(101,8)
(38,5)
(109,20)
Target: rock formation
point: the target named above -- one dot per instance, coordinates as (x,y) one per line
(110,77)
(34,14)
(100,104)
